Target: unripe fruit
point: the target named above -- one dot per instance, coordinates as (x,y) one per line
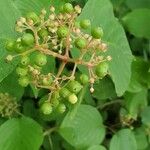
(101,69)
(64,92)
(74,86)
(80,43)
(22,71)
(46,108)
(47,81)
(10,45)
(62,32)
(25,60)
(73,98)
(19,48)
(27,39)
(61,108)
(40,59)
(33,16)
(23,81)
(97,32)
(68,8)
(43,33)
(84,79)
(85,24)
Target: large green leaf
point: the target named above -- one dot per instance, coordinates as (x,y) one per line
(139,77)
(141,138)
(84,129)
(133,4)
(137,22)
(104,89)
(97,147)
(10,85)
(9,14)
(135,102)
(20,134)
(123,140)
(100,12)
(145,115)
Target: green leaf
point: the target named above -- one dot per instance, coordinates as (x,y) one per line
(139,77)
(10,85)
(20,134)
(133,4)
(137,22)
(123,140)
(9,14)
(100,12)
(141,138)
(84,129)
(97,147)
(104,89)
(136,102)
(145,115)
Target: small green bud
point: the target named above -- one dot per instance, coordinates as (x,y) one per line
(73,98)
(68,8)
(40,59)
(24,81)
(85,24)
(22,71)
(101,69)
(62,32)
(80,43)
(97,32)
(27,39)
(61,108)
(46,108)
(84,79)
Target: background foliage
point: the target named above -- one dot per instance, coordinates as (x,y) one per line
(117,115)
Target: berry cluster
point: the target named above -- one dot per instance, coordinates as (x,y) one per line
(8,105)
(58,34)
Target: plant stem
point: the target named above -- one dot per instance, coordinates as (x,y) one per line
(109,103)
(49,131)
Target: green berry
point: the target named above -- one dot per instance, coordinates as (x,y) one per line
(19,48)
(27,39)
(22,71)
(24,81)
(84,79)
(40,59)
(62,32)
(43,33)
(47,81)
(85,24)
(10,45)
(97,32)
(101,69)
(25,60)
(80,43)
(64,92)
(68,8)
(46,108)
(33,16)
(61,108)
(74,86)
(73,98)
